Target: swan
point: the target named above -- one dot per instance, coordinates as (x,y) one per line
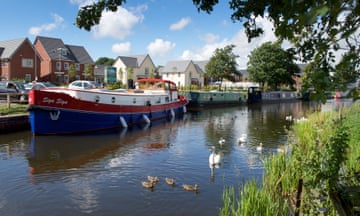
(191,187)
(260,147)
(242,138)
(222,141)
(214,158)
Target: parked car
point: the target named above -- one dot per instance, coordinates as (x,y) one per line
(39,85)
(14,87)
(84,84)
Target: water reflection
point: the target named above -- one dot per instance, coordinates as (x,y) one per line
(101,174)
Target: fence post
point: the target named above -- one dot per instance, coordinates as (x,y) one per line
(8,100)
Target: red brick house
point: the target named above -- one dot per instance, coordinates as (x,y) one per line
(58,58)
(17,60)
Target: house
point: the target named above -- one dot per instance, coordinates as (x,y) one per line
(19,60)
(133,68)
(62,63)
(184,72)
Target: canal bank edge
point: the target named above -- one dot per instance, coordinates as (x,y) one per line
(14,123)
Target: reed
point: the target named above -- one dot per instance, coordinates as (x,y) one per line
(324,149)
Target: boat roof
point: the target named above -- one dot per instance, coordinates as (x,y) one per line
(155,80)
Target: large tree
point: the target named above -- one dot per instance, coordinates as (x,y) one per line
(105,61)
(316,28)
(222,65)
(270,64)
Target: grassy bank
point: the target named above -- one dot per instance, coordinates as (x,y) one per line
(323,156)
(14,109)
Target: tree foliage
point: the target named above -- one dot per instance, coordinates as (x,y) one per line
(270,64)
(105,61)
(317,28)
(222,64)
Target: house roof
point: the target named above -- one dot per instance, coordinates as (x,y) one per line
(56,49)
(201,64)
(80,54)
(175,66)
(10,46)
(132,61)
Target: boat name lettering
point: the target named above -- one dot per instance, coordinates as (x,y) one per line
(61,101)
(47,100)
(57,101)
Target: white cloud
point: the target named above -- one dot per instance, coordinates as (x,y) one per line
(117,24)
(204,53)
(180,24)
(121,48)
(242,47)
(82,3)
(209,38)
(160,48)
(37,30)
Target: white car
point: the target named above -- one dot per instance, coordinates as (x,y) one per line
(84,84)
(39,85)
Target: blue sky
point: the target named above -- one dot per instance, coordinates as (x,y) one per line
(165,29)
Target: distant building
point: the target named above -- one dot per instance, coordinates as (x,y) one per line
(18,60)
(134,68)
(58,58)
(184,72)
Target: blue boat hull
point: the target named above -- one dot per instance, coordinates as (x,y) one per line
(62,121)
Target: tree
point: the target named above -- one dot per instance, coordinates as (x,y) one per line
(316,28)
(222,64)
(88,72)
(105,61)
(72,71)
(270,64)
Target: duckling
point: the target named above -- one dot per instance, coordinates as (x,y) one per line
(170,181)
(191,187)
(260,147)
(153,179)
(147,184)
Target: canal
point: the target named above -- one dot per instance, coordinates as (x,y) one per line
(101,174)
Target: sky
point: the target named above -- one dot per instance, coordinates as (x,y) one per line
(167,30)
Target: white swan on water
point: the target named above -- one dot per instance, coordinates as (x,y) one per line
(242,138)
(214,158)
(259,147)
(222,141)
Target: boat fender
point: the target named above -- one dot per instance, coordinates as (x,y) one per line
(172,113)
(113,100)
(97,98)
(123,122)
(147,120)
(148,103)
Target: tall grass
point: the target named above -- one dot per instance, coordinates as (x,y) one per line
(324,149)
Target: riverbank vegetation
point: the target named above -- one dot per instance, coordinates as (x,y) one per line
(318,173)
(13,109)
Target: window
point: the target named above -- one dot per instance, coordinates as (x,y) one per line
(58,66)
(28,63)
(28,77)
(77,77)
(77,67)
(146,72)
(66,66)
(66,78)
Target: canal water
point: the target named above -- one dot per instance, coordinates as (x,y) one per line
(101,174)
